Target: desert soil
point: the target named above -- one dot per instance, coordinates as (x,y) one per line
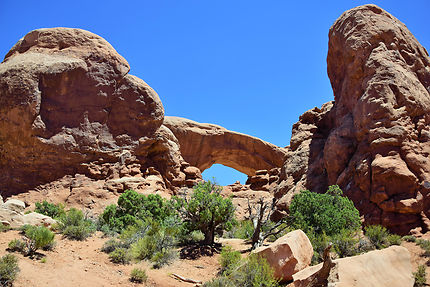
(81,263)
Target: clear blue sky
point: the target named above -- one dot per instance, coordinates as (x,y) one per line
(250,66)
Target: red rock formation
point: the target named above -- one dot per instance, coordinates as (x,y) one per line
(202,145)
(68,106)
(374,140)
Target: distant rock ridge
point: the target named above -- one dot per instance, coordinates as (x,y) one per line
(374,139)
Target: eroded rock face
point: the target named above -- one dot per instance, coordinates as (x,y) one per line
(374,140)
(69,106)
(202,145)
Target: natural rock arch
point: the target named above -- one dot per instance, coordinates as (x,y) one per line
(203,145)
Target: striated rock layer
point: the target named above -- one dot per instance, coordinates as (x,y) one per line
(374,139)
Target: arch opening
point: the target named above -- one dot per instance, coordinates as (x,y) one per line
(224,175)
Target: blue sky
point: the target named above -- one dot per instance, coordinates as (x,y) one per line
(250,66)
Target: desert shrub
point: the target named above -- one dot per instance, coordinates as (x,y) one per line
(329,212)
(120,255)
(49,209)
(138,275)
(8,270)
(111,245)
(254,272)
(4,228)
(345,243)
(131,207)
(364,245)
(229,259)
(153,241)
(163,257)
(394,239)
(242,229)
(16,245)
(420,276)
(37,237)
(74,225)
(378,235)
(319,243)
(43,260)
(409,238)
(425,245)
(206,210)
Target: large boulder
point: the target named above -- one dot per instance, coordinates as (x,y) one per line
(390,267)
(202,145)
(11,214)
(69,106)
(374,139)
(288,254)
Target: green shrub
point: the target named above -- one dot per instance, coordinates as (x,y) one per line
(394,239)
(163,257)
(378,235)
(345,243)
(16,245)
(43,260)
(144,248)
(206,210)
(420,276)
(73,225)
(37,237)
(138,275)
(254,272)
(49,209)
(111,245)
(120,255)
(409,238)
(229,259)
(242,229)
(131,207)
(4,228)
(319,243)
(329,212)
(425,245)
(8,270)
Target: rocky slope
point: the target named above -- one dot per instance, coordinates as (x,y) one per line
(374,139)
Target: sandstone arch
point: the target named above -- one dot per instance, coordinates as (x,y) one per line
(203,145)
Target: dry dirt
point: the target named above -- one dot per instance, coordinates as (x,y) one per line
(81,263)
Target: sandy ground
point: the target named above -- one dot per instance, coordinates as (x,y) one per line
(81,263)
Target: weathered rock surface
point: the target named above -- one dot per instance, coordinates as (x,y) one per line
(202,145)
(11,214)
(374,139)
(68,106)
(288,254)
(390,267)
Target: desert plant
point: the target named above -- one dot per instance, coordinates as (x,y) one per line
(205,210)
(241,229)
(120,255)
(16,245)
(37,237)
(111,245)
(345,243)
(4,228)
(43,260)
(394,239)
(425,245)
(329,212)
(138,275)
(420,276)
(229,259)
(49,209)
(74,225)
(255,271)
(378,235)
(163,257)
(409,238)
(131,207)
(8,270)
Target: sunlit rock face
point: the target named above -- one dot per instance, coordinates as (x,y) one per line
(374,139)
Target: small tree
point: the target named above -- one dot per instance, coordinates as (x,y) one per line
(327,213)
(206,210)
